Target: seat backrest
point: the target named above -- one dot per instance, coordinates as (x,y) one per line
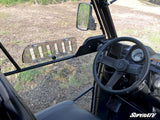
(11,102)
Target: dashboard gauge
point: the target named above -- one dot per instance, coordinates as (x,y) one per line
(137,55)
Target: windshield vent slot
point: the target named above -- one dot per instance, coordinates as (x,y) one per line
(56,48)
(70,46)
(40,52)
(32,54)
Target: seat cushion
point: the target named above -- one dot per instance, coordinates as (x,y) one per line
(66,110)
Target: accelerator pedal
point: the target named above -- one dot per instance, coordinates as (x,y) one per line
(49,50)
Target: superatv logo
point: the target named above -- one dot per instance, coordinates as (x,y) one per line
(142,115)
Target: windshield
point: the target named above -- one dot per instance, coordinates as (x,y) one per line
(27,24)
(139,20)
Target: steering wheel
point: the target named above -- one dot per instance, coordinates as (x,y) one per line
(121,66)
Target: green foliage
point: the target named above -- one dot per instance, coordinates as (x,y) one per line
(155,37)
(63,85)
(18,86)
(73,81)
(1,61)
(5,32)
(12,2)
(29,75)
(46,2)
(43,2)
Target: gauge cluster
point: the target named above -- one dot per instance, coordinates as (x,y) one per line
(137,55)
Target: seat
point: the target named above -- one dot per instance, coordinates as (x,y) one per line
(66,110)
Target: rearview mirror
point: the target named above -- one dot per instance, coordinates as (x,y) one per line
(85,20)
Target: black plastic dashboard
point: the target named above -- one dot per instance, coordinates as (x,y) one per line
(121,50)
(155,63)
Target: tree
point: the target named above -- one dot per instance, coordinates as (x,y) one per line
(35,1)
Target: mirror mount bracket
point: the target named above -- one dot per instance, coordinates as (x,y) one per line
(91,25)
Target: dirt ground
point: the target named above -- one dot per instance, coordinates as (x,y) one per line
(25,24)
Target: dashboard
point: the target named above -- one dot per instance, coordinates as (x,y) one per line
(155,63)
(136,55)
(155,60)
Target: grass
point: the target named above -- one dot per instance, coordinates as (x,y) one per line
(26,78)
(73,81)
(46,2)
(2,15)
(1,61)
(154,40)
(5,32)
(18,86)
(30,75)
(43,2)
(12,2)
(127,31)
(63,85)
(68,77)
(21,42)
(149,37)
(155,37)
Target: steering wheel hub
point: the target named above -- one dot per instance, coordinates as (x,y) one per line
(121,65)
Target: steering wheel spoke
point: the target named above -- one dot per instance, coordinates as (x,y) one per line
(114,79)
(109,61)
(134,68)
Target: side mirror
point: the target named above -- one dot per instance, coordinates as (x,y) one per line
(85,20)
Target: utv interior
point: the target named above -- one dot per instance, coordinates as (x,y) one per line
(126,73)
